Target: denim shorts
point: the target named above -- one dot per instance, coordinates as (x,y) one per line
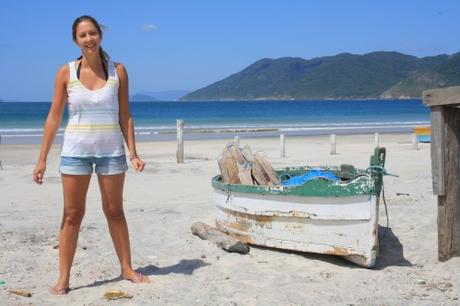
(85,165)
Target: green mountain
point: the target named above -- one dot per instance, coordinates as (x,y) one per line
(343,76)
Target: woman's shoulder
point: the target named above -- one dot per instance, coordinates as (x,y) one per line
(119,66)
(64,68)
(63,72)
(121,69)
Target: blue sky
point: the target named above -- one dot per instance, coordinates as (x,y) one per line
(172,44)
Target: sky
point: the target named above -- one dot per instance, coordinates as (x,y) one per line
(176,45)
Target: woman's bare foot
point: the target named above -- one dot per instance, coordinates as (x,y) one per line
(136,277)
(61,288)
(59,291)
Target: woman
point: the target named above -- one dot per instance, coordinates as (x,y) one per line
(96,91)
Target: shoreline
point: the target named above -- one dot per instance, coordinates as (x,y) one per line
(252,100)
(152,135)
(287,99)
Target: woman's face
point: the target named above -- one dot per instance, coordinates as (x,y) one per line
(88,37)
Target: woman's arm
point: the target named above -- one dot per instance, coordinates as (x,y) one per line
(53,121)
(126,120)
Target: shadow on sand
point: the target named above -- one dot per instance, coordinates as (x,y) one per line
(390,253)
(185,266)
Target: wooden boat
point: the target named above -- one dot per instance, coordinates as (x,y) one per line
(423,133)
(319,216)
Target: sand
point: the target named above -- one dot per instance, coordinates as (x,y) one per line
(162,203)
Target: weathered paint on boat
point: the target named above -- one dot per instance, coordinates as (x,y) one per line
(320,216)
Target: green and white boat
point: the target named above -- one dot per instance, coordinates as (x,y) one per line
(319,216)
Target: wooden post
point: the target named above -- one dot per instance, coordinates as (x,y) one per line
(437,150)
(180,141)
(333,146)
(1,167)
(376,140)
(237,141)
(282,146)
(414,141)
(445,162)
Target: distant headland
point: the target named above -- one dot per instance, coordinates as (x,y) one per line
(158,96)
(376,75)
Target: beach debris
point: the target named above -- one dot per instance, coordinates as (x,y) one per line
(240,166)
(56,246)
(21,292)
(402,194)
(2,282)
(111,295)
(441,286)
(420,282)
(221,239)
(325,275)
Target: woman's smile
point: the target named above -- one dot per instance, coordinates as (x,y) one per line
(88,37)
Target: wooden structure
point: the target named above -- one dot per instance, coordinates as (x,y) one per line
(445,164)
(240,166)
(1,167)
(180,141)
(333,145)
(319,216)
(282,145)
(222,240)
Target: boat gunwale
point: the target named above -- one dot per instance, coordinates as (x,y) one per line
(360,182)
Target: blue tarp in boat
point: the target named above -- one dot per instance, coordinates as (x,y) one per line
(308,176)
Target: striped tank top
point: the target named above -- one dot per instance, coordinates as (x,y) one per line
(93,129)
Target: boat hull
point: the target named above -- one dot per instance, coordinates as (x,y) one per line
(343,226)
(319,216)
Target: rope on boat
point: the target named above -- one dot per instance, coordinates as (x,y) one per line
(380,169)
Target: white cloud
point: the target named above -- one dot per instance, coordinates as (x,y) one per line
(149,27)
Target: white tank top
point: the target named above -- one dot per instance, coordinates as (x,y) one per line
(93,129)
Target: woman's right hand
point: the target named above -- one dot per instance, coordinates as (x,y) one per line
(39,171)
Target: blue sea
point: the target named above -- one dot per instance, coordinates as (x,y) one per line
(22,122)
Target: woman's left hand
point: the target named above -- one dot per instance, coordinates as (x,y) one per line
(138,164)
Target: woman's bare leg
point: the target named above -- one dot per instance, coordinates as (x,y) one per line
(75,188)
(112,200)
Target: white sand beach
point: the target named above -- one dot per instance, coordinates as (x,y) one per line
(166,199)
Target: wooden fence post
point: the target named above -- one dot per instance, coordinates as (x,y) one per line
(180,141)
(333,145)
(282,145)
(237,141)
(376,140)
(414,141)
(1,167)
(445,162)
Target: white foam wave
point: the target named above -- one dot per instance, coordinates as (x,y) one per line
(213,128)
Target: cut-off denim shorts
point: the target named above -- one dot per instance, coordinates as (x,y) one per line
(86,165)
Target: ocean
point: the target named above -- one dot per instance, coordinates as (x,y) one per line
(22,122)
